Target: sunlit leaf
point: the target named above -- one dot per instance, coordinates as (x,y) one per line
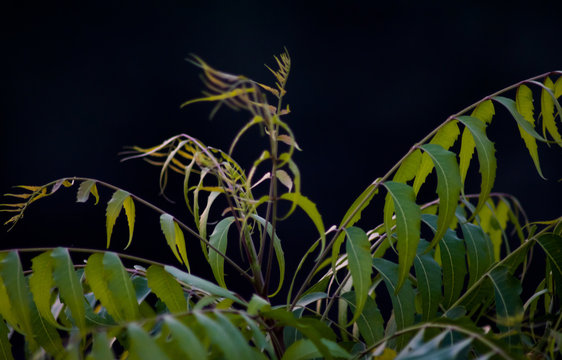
(120,285)
(70,287)
(119,200)
(448,187)
(524,106)
(86,188)
(41,284)
(166,288)
(97,280)
(408,216)
(219,240)
(486,157)
(511,106)
(168,226)
(547,111)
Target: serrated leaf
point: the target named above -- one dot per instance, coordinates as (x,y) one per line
(168,226)
(370,321)
(448,187)
(202,284)
(166,288)
(486,157)
(219,240)
(408,216)
(305,349)
(205,214)
(70,287)
(453,261)
(402,298)
(279,254)
(225,336)
(359,264)
(86,188)
(97,280)
(45,334)
(547,111)
(119,199)
(5,345)
(310,209)
(41,285)
(185,339)
(445,137)
(479,251)
(120,285)
(524,106)
(428,274)
(511,106)
(552,246)
(142,346)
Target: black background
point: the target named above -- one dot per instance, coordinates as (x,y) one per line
(78,82)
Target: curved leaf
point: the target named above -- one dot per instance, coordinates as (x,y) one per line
(479,251)
(219,239)
(120,285)
(174,237)
(142,346)
(360,267)
(189,344)
(521,121)
(547,111)
(448,187)
(85,189)
(70,287)
(408,216)
(428,274)
(5,345)
(119,199)
(524,106)
(370,321)
(305,349)
(41,285)
(166,288)
(97,279)
(486,157)
(279,254)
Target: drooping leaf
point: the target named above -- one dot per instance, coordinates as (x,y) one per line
(408,216)
(370,321)
(205,214)
(219,239)
(185,339)
(168,226)
(448,186)
(86,188)
(445,137)
(524,106)
(41,285)
(119,200)
(402,298)
(552,246)
(45,334)
(547,111)
(479,251)
(359,263)
(166,288)
(97,280)
(70,287)
(120,285)
(310,209)
(305,349)
(101,349)
(5,345)
(511,106)
(142,346)
(279,254)
(486,157)
(202,284)
(428,274)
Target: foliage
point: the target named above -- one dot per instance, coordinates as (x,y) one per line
(454,294)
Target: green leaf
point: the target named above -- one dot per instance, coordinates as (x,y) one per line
(259,338)
(5,306)
(428,274)
(41,285)
(448,187)
(406,172)
(511,106)
(524,106)
(402,298)
(5,345)
(225,336)
(479,251)
(305,349)
(547,111)
(453,262)
(445,137)
(279,254)
(558,88)
(174,236)
(119,200)
(86,188)
(219,239)
(185,339)
(70,287)
(101,349)
(434,349)
(359,263)
(97,279)
(310,209)
(142,346)
(486,157)
(45,334)
(202,284)
(408,215)
(205,214)
(166,288)
(120,285)
(370,321)
(552,246)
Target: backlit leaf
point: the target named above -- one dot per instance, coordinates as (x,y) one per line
(524,106)
(359,263)
(86,188)
(219,239)
(119,200)
(41,284)
(486,157)
(521,121)
(166,288)
(45,334)
(205,214)
(97,280)
(70,287)
(547,111)
(120,286)
(408,216)
(168,226)
(448,187)
(445,137)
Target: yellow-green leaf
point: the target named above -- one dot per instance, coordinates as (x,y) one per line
(547,111)
(70,287)
(119,200)
(85,189)
(166,288)
(5,345)
(524,105)
(120,285)
(360,266)
(168,226)
(219,240)
(41,285)
(97,279)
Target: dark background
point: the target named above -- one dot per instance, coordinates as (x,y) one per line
(78,82)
